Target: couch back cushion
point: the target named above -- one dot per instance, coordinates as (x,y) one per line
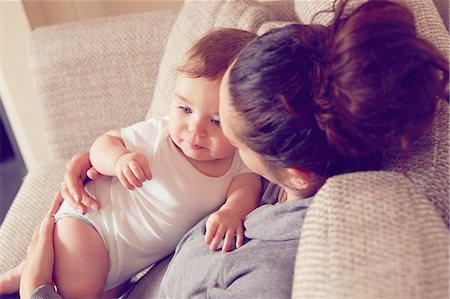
(197,17)
(95,75)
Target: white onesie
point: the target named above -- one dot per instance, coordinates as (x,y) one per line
(142,226)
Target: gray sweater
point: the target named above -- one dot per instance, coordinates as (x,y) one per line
(262,268)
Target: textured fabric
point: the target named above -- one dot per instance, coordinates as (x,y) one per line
(194,19)
(443,8)
(45,292)
(261,268)
(372,235)
(427,164)
(27,210)
(428,21)
(148,286)
(93,76)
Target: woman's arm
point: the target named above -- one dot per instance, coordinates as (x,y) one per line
(38,268)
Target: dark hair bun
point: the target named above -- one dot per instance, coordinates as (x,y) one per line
(382,82)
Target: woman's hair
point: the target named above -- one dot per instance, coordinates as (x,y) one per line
(214,52)
(332,98)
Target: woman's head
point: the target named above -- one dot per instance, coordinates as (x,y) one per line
(330,99)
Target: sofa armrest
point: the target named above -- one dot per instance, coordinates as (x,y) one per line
(372,235)
(27,211)
(92,76)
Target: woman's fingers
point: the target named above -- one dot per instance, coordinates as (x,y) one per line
(76,173)
(88,201)
(56,203)
(46,230)
(77,205)
(38,265)
(73,183)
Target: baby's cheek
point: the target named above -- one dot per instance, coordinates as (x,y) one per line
(226,148)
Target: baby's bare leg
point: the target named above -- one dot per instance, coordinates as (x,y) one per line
(81,260)
(10,280)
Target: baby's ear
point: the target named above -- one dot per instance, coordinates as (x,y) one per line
(299,177)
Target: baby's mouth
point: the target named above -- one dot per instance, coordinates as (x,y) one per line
(195,146)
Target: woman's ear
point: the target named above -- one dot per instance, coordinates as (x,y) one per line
(299,177)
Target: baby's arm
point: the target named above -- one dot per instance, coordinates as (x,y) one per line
(243,197)
(109,156)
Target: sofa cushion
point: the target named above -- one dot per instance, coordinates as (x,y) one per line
(194,19)
(427,162)
(381,241)
(27,210)
(93,76)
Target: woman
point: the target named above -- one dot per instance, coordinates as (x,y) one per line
(303,103)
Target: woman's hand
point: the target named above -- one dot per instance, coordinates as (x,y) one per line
(224,224)
(72,190)
(38,266)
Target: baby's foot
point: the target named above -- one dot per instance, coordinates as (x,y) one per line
(10,280)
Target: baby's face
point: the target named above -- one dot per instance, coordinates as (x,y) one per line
(194,124)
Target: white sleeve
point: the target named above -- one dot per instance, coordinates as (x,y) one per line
(143,137)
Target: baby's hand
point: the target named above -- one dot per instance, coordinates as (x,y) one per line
(224,222)
(132,170)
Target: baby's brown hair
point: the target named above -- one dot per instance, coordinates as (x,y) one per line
(214,52)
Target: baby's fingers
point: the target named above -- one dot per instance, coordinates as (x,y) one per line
(228,241)
(124,181)
(210,232)
(147,170)
(217,238)
(239,237)
(132,179)
(138,172)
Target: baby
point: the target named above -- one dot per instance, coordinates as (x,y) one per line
(161,176)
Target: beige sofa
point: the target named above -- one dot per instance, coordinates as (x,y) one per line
(377,234)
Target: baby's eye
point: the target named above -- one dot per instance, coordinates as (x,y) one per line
(216,122)
(185,109)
